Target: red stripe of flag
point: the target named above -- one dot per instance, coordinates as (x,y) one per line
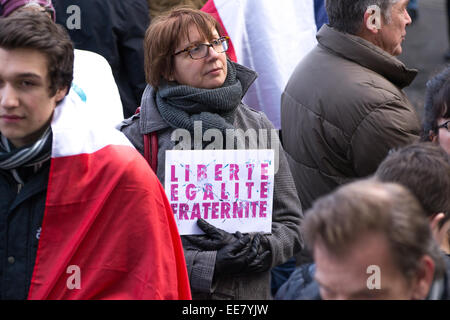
(107,214)
(210,8)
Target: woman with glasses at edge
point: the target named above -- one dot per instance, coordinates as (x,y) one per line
(436,125)
(191,79)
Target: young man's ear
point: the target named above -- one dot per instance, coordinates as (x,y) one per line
(437,229)
(424,278)
(60,94)
(372,18)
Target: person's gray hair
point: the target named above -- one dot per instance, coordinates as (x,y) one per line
(348,15)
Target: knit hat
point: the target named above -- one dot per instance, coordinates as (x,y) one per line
(9,6)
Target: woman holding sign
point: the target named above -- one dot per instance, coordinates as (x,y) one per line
(193,102)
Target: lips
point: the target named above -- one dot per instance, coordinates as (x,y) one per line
(215,70)
(11,118)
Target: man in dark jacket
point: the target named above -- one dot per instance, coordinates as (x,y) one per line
(114,29)
(343,108)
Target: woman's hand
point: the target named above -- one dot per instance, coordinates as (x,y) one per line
(242,256)
(236,253)
(214,238)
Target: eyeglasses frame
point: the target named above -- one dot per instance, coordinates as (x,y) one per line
(223,39)
(444,125)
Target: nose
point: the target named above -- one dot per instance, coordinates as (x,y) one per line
(8,97)
(408,18)
(212,54)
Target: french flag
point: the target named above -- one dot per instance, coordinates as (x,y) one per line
(108,230)
(270,37)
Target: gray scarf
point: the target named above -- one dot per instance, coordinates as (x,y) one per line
(28,156)
(181,105)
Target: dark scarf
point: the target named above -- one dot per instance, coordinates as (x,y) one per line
(30,156)
(181,105)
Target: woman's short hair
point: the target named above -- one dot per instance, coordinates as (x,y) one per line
(34,30)
(437,103)
(165,34)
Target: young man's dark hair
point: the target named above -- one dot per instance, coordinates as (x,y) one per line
(52,40)
(424,169)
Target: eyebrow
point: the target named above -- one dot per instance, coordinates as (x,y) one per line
(362,291)
(28,75)
(365,293)
(197,42)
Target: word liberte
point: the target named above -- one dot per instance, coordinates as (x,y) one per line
(238,139)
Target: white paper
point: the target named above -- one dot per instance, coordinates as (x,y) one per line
(231,189)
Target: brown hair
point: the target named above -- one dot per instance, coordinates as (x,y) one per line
(339,219)
(424,168)
(163,36)
(34,30)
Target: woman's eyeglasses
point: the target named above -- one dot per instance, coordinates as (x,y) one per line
(200,51)
(444,125)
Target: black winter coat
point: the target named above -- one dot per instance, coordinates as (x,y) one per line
(21,214)
(114,29)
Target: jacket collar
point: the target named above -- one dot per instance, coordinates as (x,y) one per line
(152,121)
(366,54)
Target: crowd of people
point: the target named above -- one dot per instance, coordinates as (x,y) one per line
(360,189)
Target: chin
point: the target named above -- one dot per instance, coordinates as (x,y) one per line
(214,84)
(397,52)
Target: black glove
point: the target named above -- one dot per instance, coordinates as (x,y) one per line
(236,253)
(259,259)
(214,238)
(242,256)
(232,258)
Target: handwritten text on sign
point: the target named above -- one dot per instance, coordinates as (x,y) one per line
(231,189)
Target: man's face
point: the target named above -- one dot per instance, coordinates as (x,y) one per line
(26,107)
(346,277)
(391,36)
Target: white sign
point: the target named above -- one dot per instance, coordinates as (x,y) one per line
(231,189)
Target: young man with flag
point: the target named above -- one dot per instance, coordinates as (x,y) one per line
(82,216)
